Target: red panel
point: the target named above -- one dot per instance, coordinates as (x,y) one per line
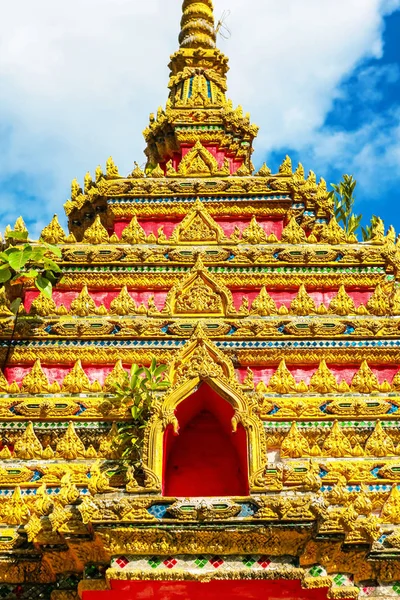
(100,297)
(279,296)
(206,458)
(193,590)
(287,296)
(305,372)
(228,225)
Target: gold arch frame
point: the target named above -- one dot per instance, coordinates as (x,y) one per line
(201,362)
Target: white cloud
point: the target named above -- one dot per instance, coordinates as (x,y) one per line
(78,79)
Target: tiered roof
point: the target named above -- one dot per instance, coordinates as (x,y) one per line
(238,280)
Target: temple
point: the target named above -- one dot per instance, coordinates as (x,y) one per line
(271,465)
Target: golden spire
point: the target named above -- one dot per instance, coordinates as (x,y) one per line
(197,25)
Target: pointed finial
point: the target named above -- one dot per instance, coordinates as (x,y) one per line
(197,25)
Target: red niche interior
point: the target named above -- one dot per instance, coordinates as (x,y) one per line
(206,458)
(193,590)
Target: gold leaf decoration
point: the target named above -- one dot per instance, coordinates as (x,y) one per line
(379,443)
(263,305)
(112,169)
(123,304)
(108,447)
(378,304)
(303,304)
(96,233)
(28,446)
(4,304)
(43,306)
(3,383)
(391,509)
(53,233)
(342,304)
(254,233)
(295,445)
(323,380)
(293,233)
(35,382)
(286,167)
(264,171)
(70,446)
(83,305)
(282,381)
(15,511)
(333,233)
(133,233)
(336,444)
(364,381)
(76,381)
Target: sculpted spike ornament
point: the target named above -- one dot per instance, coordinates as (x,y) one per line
(123,304)
(70,445)
(3,383)
(117,375)
(336,444)
(134,233)
(16,511)
(76,381)
(293,233)
(254,233)
(35,382)
(83,305)
(96,233)
(286,167)
(264,305)
(20,226)
(378,304)
(379,443)
(303,304)
(364,381)
(43,306)
(282,381)
(28,446)
(323,381)
(333,233)
(53,233)
(294,445)
(4,304)
(342,304)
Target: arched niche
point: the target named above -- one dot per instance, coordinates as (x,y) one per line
(206,458)
(245,421)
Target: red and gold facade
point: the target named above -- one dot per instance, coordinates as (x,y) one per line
(272,463)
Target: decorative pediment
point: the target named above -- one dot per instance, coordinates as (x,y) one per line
(201,358)
(199,294)
(198,162)
(197,227)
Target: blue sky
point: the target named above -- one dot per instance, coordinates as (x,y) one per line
(365,114)
(77,82)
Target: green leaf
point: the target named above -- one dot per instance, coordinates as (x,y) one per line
(15,304)
(54,249)
(160,370)
(50,265)
(38,254)
(44,286)
(19,258)
(5,275)
(32,274)
(17,235)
